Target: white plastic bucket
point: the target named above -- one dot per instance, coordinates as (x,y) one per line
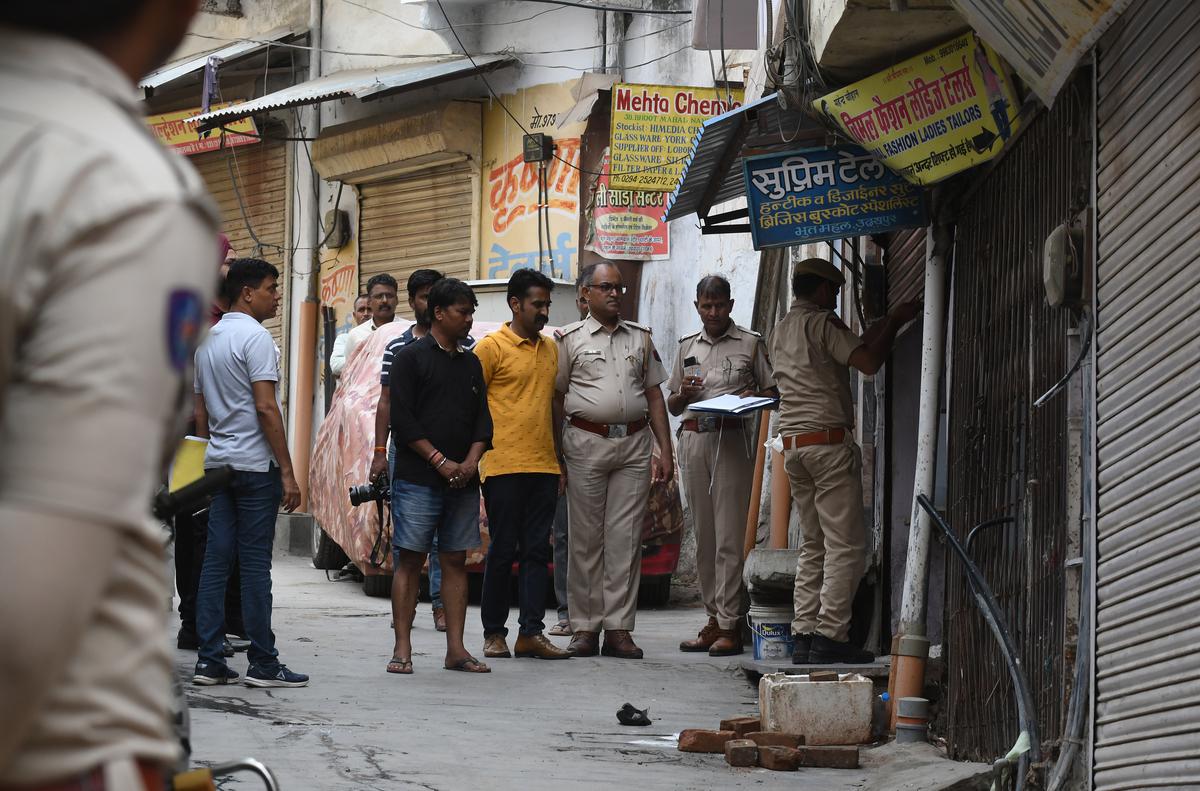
(772,628)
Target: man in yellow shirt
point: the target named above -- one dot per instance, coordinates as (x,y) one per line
(521,473)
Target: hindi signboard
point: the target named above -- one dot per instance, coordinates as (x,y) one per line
(653,127)
(1044,41)
(173,132)
(626,224)
(933,115)
(826,193)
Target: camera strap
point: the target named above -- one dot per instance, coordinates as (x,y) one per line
(384,514)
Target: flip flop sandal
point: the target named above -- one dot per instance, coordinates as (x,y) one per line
(400,666)
(469,665)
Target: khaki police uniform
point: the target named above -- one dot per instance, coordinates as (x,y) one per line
(716,461)
(811,348)
(607,445)
(110,261)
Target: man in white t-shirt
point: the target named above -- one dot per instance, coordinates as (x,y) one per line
(381,291)
(361,315)
(237,401)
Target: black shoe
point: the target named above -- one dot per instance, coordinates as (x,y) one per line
(801,646)
(226,648)
(187,641)
(831,652)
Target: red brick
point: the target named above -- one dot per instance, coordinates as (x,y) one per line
(774,739)
(741,725)
(829,757)
(700,741)
(741,752)
(779,759)
(824,675)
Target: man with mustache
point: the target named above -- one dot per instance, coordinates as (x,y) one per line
(521,473)
(608,389)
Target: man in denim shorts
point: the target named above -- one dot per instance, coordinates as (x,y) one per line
(441,427)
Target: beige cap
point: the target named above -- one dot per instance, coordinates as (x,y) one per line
(821,268)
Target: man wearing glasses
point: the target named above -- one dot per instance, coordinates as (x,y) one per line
(608,392)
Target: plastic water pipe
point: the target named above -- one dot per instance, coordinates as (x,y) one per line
(910,647)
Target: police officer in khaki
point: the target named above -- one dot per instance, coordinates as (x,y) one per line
(608,391)
(813,353)
(716,455)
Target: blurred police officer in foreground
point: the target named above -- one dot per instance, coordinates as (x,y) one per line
(107,254)
(813,352)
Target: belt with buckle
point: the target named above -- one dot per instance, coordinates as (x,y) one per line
(830,436)
(610,430)
(709,423)
(152,775)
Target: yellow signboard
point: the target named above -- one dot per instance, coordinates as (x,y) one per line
(172,132)
(932,116)
(653,127)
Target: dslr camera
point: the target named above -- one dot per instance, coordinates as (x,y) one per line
(376,491)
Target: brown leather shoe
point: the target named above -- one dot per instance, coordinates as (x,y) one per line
(728,643)
(539,646)
(495,647)
(439,618)
(584,644)
(704,640)
(619,643)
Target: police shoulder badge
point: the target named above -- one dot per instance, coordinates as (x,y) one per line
(185,320)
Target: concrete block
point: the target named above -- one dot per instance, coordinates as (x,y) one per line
(770,574)
(741,725)
(774,739)
(293,534)
(827,712)
(829,757)
(741,752)
(695,740)
(779,759)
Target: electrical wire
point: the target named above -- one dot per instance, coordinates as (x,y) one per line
(487,83)
(618,9)
(579,69)
(406,23)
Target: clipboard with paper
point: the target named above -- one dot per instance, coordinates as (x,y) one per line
(188,464)
(731,404)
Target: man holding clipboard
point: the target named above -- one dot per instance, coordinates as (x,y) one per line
(716,455)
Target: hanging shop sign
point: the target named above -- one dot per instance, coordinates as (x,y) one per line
(826,193)
(653,127)
(173,132)
(1044,41)
(933,115)
(511,238)
(626,224)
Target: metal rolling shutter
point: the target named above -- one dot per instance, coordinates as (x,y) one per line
(259,174)
(1147,728)
(904,265)
(417,221)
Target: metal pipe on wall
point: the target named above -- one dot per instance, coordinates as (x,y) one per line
(910,646)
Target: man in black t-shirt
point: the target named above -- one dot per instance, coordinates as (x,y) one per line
(441,426)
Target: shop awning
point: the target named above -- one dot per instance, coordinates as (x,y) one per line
(712,173)
(361,84)
(238,50)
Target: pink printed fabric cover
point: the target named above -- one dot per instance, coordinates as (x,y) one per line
(342,458)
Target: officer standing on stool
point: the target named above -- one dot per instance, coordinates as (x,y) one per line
(608,389)
(716,456)
(813,352)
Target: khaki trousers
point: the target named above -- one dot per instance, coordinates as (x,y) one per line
(608,482)
(826,482)
(716,468)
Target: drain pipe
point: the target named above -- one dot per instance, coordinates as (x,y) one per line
(910,647)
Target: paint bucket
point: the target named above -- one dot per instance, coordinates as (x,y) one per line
(772,628)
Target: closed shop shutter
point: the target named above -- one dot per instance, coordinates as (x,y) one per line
(904,265)
(1147,728)
(417,221)
(258,173)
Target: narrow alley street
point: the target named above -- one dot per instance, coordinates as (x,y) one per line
(528,725)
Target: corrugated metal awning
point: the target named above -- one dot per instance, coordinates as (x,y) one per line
(235,51)
(362,84)
(712,173)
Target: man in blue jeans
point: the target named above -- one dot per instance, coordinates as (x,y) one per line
(441,427)
(237,381)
